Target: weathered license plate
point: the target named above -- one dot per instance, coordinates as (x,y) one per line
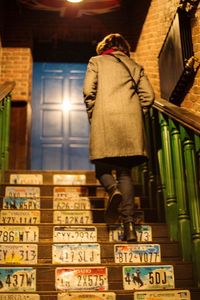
(18,296)
(148,277)
(18,254)
(18,279)
(22,234)
(22,192)
(86,278)
(75,234)
(76,254)
(73,203)
(69,179)
(144,233)
(137,253)
(163,295)
(72,217)
(21,203)
(19,217)
(26,179)
(69,191)
(86,296)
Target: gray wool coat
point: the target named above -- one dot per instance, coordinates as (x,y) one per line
(114,108)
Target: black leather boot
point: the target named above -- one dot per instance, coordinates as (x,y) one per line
(115,198)
(129,232)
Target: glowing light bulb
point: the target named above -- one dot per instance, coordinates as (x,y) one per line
(74,1)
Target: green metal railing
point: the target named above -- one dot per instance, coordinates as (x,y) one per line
(172,176)
(5,105)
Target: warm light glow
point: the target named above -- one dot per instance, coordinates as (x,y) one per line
(75,1)
(66,106)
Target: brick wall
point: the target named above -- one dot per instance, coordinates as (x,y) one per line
(17,66)
(155,28)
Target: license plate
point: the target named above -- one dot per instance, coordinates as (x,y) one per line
(72,217)
(19,296)
(26,179)
(137,253)
(73,234)
(22,192)
(148,277)
(76,254)
(163,295)
(21,203)
(73,203)
(144,233)
(67,192)
(93,278)
(18,279)
(86,296)
(19,217)
(18,254)
(69,179)
(22,234)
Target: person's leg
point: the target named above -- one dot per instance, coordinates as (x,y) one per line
(126,187)
(104,175)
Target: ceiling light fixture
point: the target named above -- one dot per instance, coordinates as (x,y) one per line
(74,1)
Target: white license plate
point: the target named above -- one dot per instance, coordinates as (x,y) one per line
(75,234)
(69,191)
(86,296)
(18,254)
(69,179)
(163,295)
(76,254)
(72,217)
(26,179)
(18,279)
(137,253)
(86,278)
(7,296)
(73,203)
(144,233)
(148,277)
(22,234)
(22,192)
(19,217)
(21,203)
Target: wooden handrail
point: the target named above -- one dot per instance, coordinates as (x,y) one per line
(179,114)
(6,88)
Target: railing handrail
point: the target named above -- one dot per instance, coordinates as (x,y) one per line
(6,88)
(179,114)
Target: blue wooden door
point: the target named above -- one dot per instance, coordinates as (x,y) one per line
(59,121)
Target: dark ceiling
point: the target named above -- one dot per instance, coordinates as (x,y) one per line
(53,37)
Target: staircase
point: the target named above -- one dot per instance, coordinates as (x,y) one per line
(54,244)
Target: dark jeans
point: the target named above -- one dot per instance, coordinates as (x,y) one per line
(123,181)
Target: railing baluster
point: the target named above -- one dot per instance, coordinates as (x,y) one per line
(171,202)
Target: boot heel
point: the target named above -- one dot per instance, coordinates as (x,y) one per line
(129,232)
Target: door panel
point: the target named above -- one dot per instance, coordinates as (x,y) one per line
(59,123)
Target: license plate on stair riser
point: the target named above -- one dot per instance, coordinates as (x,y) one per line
(163,295)
(69,192)
(63,179)
(18,254)
(87,296)
(26,179)
(86,278)
(74,234)
(76,254)
(22,234)
(19,296)
(148,277)
(20,217)
(21,203)
(22,192)
(18,279)
(144,233)
(137,253)
(72,217)
(74,203)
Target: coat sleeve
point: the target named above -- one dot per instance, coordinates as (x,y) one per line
(90,87)
(145,91)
